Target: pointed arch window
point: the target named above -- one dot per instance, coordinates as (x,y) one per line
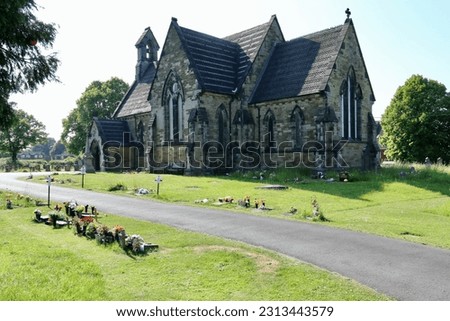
(269,137)
(351,96)
(297,121)
(140,132)
(222,126)
(173,103)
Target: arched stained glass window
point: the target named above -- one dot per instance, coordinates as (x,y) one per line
(351,96)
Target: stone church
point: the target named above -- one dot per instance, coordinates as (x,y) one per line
(249,100)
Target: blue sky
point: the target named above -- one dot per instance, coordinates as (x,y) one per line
(96,39)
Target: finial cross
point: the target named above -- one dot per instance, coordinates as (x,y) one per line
(348,13)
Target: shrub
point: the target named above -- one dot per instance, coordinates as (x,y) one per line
(317,214)
(117,187)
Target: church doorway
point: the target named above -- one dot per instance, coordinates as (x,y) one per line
(95,151)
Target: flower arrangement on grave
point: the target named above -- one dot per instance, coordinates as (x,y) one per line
(79,209)
(77,226)
(135,242)
(86,220)
(72,206)
(80,225)
(116,230)
(37,214)
(104,234)
(54,216)
(91,230)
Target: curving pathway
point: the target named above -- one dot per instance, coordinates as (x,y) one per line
(403,270)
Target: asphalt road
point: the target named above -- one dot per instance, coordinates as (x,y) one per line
(402,270)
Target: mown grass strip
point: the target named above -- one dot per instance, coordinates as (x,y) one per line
(39,263)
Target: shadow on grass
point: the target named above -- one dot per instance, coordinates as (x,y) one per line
(360,182)
(432,181)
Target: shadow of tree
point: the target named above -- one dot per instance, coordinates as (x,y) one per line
(360,182)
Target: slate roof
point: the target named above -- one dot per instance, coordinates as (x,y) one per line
(222,64)
(295,68)
(111,131)
(300,66)
(213,59)
(135,100)
(249,42)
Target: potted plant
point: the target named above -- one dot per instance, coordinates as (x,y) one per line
(79,210)
(116,231)
(85,221)
(77,225)
(54,217)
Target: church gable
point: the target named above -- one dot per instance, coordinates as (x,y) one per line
(350,90)
(350,56)
(300,66)
(214,60)
(254,45)
(221,65)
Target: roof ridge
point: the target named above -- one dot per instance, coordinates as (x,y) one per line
(187,36)
(315,33)
(247,30)
(241,47)
(181,34)
(204,34)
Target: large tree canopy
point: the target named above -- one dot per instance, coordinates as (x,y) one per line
(416,124)
(100,99)
(23,132)
(23,65)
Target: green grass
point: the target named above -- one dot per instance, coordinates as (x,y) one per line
(39,263)
(414,207)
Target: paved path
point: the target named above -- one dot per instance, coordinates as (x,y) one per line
(403,270)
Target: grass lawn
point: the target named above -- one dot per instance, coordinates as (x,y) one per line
(39,263)
(413,207)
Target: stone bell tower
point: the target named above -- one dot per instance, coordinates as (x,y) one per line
(147,49)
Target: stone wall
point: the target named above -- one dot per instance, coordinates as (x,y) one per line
(351,57)
(174,66)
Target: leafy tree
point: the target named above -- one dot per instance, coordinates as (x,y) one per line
(57,149)
(100,99)
(416,124)
(45,148)
(23,66)
(23,132)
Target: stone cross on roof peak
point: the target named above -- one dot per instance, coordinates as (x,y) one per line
(348,13)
